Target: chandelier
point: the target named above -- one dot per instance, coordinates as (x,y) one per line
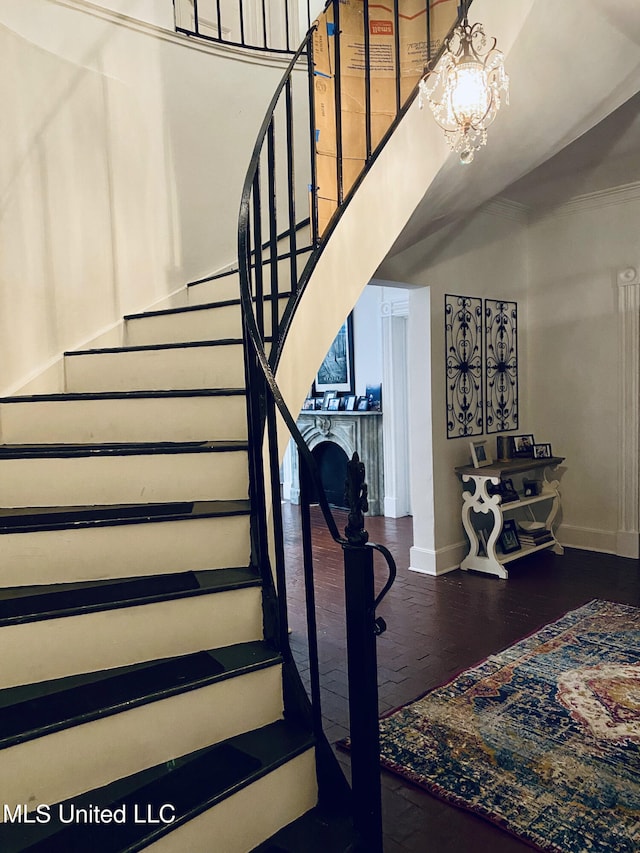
(466,87)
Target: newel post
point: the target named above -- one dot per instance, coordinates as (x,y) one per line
(362,663)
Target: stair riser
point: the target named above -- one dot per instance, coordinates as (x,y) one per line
(242,821)
(63,764)
(156,369)
(122,551)
(206,325)
(150,478)
(229,287)
(54,648)
(124,420)
(218,290)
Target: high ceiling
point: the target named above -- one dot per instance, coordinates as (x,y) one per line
(606,156)
(573,124)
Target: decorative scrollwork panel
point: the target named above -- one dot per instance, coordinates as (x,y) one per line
(463,356)
(501,365)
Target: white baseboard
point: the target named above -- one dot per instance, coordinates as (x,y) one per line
(588,539)
(395,508)
(628,544)
(426,561)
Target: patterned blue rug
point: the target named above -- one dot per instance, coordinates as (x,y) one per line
(543,738)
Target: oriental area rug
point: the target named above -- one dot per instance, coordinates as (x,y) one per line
(543,739)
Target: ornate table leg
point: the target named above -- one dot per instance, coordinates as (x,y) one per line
(481,501)
(552,487)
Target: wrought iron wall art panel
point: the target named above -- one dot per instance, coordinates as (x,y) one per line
(501,364)
(463,356)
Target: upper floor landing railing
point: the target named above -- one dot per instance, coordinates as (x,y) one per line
(276,26)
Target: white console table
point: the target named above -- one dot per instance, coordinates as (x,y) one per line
(480,501)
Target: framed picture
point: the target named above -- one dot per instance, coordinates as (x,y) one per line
(480,453)
(349,403)
(523,445)
(363,404)
(508,539)
(508,491)
(334,404)
(336,371)
(328,396)
(308,404)
(542,451)
(374,396)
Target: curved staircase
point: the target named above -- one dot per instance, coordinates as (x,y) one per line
(137,673)
(148,696)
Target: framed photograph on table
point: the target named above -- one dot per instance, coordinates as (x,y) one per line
(542,451)
(508,539)
(523,445)
(336,371)
(327,398)
(349,403)
(480,453)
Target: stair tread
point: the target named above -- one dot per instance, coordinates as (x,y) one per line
(123,395)
(314,832)
(146,347)
(32,519)
(31,711)
(33,603)
(28,451)
(204,306)
(190,784)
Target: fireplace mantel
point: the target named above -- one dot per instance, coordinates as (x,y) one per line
(352,431)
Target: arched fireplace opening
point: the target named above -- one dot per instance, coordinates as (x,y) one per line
(332,464)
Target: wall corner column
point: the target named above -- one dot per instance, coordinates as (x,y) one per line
(628,534)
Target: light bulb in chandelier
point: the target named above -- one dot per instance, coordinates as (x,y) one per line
(466,88)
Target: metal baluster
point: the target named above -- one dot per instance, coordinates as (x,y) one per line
(362,664)
(273,233)
(338,99)
(367,81)
(291,194)
(310,600)
(313,187)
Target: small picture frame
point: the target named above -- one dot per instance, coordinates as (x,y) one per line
(508,491)
(363,404)
(523,445)
(531,487)
(349,403)
(480,453)
(542,451)
(308,404)
(334,404)
(508,539)
(328,396)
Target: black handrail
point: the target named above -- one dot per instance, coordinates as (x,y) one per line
(230,23)
(257,249)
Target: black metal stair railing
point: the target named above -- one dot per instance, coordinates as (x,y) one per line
(269,25)
(282,179)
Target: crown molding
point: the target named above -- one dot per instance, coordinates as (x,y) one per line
(506,209)
(612,196)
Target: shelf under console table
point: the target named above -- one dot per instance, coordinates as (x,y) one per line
(485,554)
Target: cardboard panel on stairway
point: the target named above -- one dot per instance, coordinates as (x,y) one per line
(383,59)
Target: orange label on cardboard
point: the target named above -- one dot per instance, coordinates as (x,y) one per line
(381,28)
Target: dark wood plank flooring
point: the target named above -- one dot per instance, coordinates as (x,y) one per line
(436,628)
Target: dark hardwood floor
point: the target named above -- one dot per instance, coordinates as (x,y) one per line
(437,627)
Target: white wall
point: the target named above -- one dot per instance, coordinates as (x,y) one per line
(460,260)
(121,174)
(367,339)
(158,12)
(574,353)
